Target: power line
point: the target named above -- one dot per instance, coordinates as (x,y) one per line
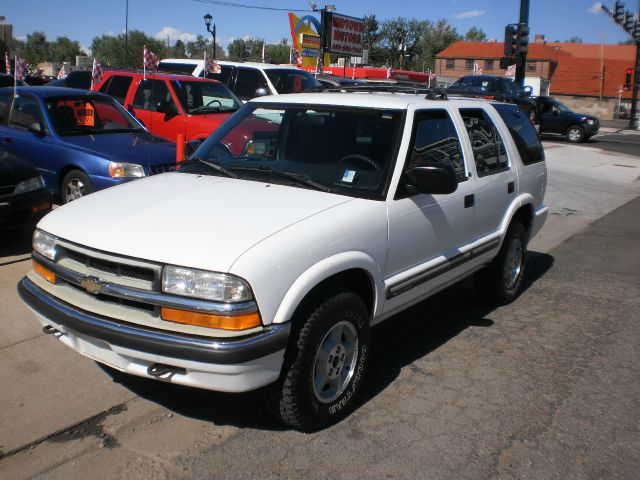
(256,7)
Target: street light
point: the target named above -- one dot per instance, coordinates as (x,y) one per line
(207,22)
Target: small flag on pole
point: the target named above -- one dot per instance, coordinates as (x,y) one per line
(319,66)
(210,66)
(96,73)
(151,60)
(476,68)
(19,68)
(265,53)
(296,57)
(7,63)
(510,71)
(389,72)
(61,73)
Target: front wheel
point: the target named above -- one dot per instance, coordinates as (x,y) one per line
(76,184)
(575,134)
(499,283)
(324,365)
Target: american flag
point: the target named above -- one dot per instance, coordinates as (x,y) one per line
(61,73)
(296,57)
(353,71)
(510,71)
(96,73)
(319,65)
(389,72)
(476,68)
(151,60)
(20,68)
(7,63)
(210,66)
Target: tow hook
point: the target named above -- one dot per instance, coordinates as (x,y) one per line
(164,372)
(49,330)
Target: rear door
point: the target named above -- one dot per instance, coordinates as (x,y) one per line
(117,86)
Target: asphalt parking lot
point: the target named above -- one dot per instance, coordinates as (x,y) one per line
(546,387)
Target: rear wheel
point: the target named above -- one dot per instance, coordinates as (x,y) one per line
(324,365)
(499,283)
(575,134)
(76,184)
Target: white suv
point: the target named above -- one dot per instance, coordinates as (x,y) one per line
(266,263)
(248,80)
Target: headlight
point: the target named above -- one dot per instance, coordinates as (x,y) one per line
(219,287)
(35,183)
(590,121)
(125,170)
(44,244)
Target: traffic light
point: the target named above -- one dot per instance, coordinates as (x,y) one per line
(629,22)
(510,43)
(627,79)
(522,39)
(618,12)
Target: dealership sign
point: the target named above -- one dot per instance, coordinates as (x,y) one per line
(345,34)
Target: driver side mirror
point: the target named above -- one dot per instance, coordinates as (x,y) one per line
(433,178)
(37,128)
(261,92)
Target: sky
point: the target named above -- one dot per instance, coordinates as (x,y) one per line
(82,20)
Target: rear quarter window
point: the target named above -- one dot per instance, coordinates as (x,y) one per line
(523,133)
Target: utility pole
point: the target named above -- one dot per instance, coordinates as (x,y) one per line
(522,60)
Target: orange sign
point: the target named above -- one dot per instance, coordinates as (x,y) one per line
(86,115)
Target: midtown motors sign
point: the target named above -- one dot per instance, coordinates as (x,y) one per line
(345,34)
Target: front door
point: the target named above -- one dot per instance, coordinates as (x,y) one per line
(150,94)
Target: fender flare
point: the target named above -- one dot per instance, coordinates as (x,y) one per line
(325,269)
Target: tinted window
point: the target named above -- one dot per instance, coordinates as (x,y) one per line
(117,86)
(435,140)
(183,68)
(78,79)
(25,111)
(292,81)
(5,101)
(247,82)
(477,81)
(150,93)
(223,76)
(522,132)
(488,148)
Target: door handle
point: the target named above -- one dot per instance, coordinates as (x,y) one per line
(511,187)
(469,200)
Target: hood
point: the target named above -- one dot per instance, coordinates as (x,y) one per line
(139,147)
(185,219)
(14,170)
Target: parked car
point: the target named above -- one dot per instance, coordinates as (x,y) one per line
(492,87)
(23,197)
(268,268)
(249,80)
(556,118)
(334,81)
(79,141)
(8,81)
(75,79)
(169,104)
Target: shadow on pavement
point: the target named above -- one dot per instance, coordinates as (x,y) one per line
(397,343)
(15,242)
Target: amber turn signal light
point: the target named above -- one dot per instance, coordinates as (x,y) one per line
(45,273)
(209,320)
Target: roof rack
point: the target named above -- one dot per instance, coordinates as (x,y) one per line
(429,93)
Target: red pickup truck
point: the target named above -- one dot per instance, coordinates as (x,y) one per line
(169,105)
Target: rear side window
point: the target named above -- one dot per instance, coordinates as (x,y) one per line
(488,148)
(247,82)
(523,133)
(435,140)
(223,76)
(117,87)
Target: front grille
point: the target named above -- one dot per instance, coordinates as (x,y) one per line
(112,268)
(7,190)
(165,167)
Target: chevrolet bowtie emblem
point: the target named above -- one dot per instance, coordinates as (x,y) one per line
(91,285)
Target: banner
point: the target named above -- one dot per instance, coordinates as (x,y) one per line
(345,34)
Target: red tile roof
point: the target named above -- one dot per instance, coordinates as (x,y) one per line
(578,69)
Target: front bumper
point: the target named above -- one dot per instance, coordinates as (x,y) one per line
(590,129)
(230,364)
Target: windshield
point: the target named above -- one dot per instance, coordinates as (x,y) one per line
(343,150)
(89,115)
(292,81)
(199,98)
(475,82)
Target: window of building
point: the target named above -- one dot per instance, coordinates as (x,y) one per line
(469,64)
(451,63)
(531,66)
(488,65)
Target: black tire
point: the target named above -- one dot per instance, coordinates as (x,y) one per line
(575,134)
(300,398)
(75,184)
(499,283)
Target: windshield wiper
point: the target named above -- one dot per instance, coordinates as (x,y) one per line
(299,177)
(214,166)
(209,108)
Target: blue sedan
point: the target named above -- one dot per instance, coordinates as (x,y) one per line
(79,141)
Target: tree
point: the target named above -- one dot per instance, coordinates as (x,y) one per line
(110,50)
(475,34)
(249,48)
(279,52)
(435,39)
(574,39)
(36,48)
(400,37)
(64,50)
